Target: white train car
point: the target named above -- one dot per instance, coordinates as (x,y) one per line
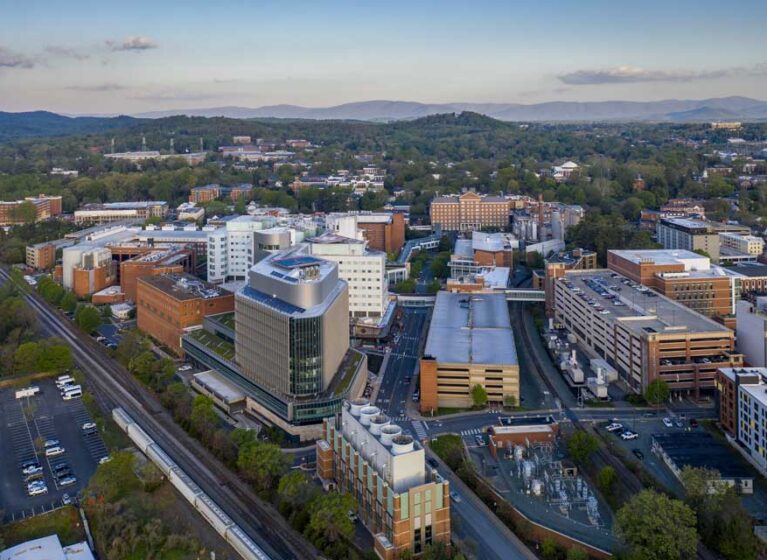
(161,459)
(221,522)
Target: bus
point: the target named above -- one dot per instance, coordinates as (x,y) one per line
(27,392)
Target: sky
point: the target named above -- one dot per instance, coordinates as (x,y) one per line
(108,57)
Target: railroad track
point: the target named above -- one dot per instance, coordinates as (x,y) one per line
(115,386)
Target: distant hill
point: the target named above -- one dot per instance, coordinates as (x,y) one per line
(672,110)
(44,123)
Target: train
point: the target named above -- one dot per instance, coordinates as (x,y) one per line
(208,508)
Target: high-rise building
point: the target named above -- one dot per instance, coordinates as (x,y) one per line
(403,503)
(363,269)
(695,235)
(383,231)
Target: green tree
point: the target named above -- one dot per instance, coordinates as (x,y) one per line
(114,479)
(580,446)
(478,396)
(294,489)
(87,318)
(261,463)
(656,527)
(24,213)
(68,302)
(55,358)
(405,286)
(577,553)
(606,479)
(26,356)
(329,522)
(204,419)
(510,401)
(657,392)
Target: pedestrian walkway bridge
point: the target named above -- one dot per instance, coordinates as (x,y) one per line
(523,294)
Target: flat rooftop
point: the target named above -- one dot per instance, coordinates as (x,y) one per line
(331,238)
(491,242)
(642,310)
(664,257)
(222,388)
(749,270)
(471,329)
(184,286)
(700,449)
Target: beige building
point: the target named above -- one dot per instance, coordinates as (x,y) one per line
(470,343)
(746,244)
(404,504)
(470,211)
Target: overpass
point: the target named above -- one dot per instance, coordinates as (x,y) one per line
(525,294)
(413,300)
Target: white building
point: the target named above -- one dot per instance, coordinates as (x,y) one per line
(751,330)
(363,269)
(190,211)
(47,548)
(751,411)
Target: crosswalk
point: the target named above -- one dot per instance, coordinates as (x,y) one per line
(399,419)
(474,432)
(420,429)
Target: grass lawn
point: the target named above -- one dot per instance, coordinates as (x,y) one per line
(64,522)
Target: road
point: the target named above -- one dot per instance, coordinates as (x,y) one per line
(115,386)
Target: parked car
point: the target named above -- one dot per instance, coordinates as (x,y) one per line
(54,451)
(66,499)
(614,426)
(479,440)
(89,426)
(638,453)
(455,497)
(37,490)
(30,463)
(67,481)
(51,443)
(432,462)
(629,435)
(32,469)
(667,422)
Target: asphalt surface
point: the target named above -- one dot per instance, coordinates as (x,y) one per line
(29,422)
(114,386)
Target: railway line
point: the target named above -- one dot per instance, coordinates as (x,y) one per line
(115,387)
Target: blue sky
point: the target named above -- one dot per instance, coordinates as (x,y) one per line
(110,57)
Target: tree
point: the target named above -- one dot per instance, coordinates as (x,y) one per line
(657,392)
(656,527)
(261,463)
(577,553)
(294,489)
(329,521)
(55,358)
(510,401)
(68,302)
(478,395)
(87,318)
(114,479)
(580,446)
(405,286)
(26,356)
(204,419)
(606,479)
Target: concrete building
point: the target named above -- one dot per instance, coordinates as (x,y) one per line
(695,235)
(557,265)
(190,211)
(236,247)
(742,403)
(383,231)
(643,335)
(399,500)
(42,256)
(747,244)
(292,324)
(192,158)
(470,343)
(751,328)
(364,270)
(116,211)
(168,306)
(44,206)
(681,275)
(47,548)
(469,212)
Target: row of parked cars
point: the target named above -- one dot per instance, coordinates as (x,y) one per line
(67,388)
(624,433)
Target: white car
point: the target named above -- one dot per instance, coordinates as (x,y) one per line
(185,367)
(628,435)
(614,426)
(54,451)
(37,490)
(32,469)
(667,422)
(89,426)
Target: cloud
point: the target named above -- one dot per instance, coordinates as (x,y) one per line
(13,59)
(66,52)
(134,43)
(633,74)
(107,86)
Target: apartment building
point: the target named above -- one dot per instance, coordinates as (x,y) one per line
(470,211)
(364,270)
(470,342)
(169,305)
(645,336)
(402,502)
(745,244)
(205,193)
(44,206)
(695,235)
(107,212)
(742,403)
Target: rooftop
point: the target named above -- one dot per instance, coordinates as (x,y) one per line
(491,242)
(692,261)
(700,449)
(333,238)
(184,286)
(124,205)
(47,548)
(222,347)
(471,328)
(223,389)
(642,310)
(749,270)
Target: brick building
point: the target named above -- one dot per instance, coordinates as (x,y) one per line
(168,305)
(384,232)
(153,263)
(205,193)
(470,211)
(11,212)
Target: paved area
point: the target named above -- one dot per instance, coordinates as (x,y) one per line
(26,424)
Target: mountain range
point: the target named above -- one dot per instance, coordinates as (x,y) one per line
(673,110)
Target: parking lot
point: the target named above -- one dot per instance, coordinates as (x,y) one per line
(29,423)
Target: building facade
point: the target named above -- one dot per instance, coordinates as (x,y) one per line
(399,500)
(43,207)
(169,305)
(469,212)
(470,342)
(643,335)
(94,214)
